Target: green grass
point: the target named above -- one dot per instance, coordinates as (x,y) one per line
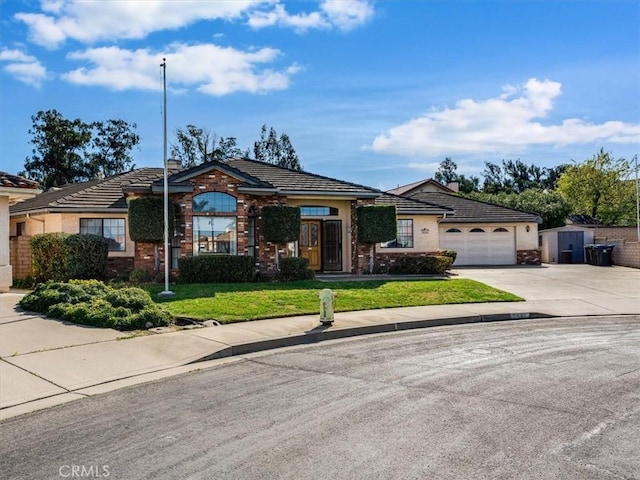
(239,302)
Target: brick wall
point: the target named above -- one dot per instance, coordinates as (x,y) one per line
(247,205)
(119,266)
(529,257)
(20,257)
(626,252)
(628,234)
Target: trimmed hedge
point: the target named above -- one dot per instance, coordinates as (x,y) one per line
(63,256)
(146,219)
(430,265)
(216,269)
(280,224)
(295,268)
(376,223)
(90,302)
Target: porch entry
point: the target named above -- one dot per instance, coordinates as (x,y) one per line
(321,243)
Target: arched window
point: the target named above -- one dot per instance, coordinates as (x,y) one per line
(214,202)
(500,229)
(454,230)
(476,230)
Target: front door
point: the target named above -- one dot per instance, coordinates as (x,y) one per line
(310,242)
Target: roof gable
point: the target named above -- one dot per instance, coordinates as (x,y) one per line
(426,185)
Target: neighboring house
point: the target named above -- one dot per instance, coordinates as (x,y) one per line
(13,189)
(481,233)
(218,206)
(97,206)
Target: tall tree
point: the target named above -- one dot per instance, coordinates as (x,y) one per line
(278,151)
(447,173)
(60,146)
(112,144)
(197,145)
(68,151)
(599,187)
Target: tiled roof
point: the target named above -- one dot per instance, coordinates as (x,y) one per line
(290,181)
(16,181)
(467,210)
(261,177)
(94,195)
(404,189)
(411,206)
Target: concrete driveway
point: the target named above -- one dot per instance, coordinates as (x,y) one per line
(558,282)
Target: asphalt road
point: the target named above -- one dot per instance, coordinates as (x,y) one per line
(543,399)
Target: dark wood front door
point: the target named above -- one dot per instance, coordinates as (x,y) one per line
(310,242)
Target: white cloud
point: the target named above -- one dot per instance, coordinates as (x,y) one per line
(211,69)
(89,21)
(505,124)
(341,14)
(25,68)
(347,14)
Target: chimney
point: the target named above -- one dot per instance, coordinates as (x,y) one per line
(174,164)
(455,186)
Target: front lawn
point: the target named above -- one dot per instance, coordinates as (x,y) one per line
(238,302)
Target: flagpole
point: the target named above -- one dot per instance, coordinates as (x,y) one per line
(166,292)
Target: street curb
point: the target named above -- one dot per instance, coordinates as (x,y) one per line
(324,333)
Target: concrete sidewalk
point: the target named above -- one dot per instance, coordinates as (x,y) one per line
(46,362)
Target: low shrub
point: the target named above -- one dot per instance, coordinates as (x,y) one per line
(216,269)
(429,265)
(449,253)
(90,302)
(295,268)
(141,275)
(26,282)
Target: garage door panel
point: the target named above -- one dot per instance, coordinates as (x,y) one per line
(480,245)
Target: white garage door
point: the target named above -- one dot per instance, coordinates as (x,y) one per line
(480,245)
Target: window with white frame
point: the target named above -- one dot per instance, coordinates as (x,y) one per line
(112,229)
(405,235)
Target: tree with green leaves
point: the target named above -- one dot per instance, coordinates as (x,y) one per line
(195,145)
(69,151)
(447,173)
(600,187)
(277,151)
(59,150)
(112,143)
(551,206)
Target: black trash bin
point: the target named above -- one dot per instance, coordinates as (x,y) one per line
(566,256)
(603,255)
(589,252)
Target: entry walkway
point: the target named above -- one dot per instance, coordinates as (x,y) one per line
(46,362)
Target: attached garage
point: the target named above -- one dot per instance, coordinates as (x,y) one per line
(480,245)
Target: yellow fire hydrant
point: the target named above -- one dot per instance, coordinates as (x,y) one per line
(327,304)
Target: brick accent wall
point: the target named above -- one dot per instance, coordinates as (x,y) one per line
(529,257)
(247,205)
(119,266)
(20,257)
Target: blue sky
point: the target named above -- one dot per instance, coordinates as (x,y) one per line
(373,92)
